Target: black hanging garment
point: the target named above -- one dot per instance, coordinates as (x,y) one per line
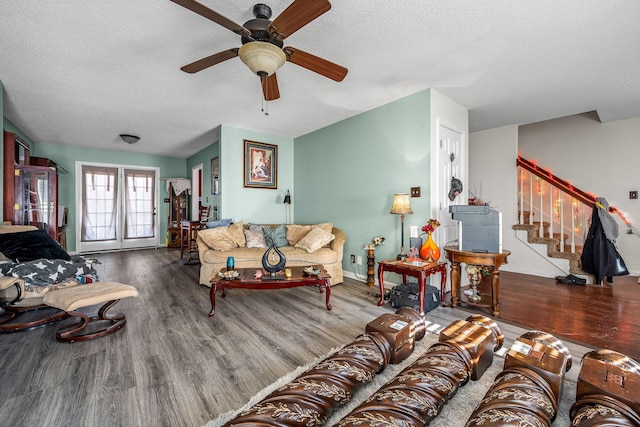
(599,255)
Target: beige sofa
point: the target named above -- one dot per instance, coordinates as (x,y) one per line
(215,245)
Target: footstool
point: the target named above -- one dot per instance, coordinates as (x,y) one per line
(70,299)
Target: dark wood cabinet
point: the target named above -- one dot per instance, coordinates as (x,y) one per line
(177,213)
(30,192)
(35,200)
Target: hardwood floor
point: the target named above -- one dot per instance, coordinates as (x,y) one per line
(173,366)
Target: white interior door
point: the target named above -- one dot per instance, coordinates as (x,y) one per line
(116,207)
(450,164)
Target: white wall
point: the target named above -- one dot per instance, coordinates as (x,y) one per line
(599,158)
(493,178)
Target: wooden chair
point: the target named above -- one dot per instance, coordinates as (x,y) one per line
(189,232)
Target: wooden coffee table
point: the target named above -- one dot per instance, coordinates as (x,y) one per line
(247,280)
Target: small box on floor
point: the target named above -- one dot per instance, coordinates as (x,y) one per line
(407,296)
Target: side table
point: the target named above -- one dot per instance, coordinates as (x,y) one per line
(421,272)
(486,259)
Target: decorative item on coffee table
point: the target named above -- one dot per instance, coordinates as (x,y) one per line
(273,268)
(430,250)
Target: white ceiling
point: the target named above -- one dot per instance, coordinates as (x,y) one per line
(80,73)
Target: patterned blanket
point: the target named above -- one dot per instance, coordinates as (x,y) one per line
(42,275)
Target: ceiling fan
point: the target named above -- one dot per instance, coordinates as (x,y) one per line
(262,42)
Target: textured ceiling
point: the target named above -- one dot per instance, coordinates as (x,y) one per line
(80,73)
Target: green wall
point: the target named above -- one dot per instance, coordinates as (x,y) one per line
(252,204)
(348,173)
(68,156)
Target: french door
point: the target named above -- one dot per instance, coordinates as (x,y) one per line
(116,207)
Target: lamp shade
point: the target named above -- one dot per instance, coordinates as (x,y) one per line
(262,57)
(401,205)
(287,198)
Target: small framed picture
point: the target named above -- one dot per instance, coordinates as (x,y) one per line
(260,165)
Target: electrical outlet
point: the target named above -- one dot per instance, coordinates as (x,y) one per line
(353,259)
(359,260)
(414,231)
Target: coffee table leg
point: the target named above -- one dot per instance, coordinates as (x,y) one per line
(327,287)
(212,296)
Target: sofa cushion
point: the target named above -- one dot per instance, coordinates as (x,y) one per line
(255,238)
(326,226)
(315,239)
(219,238)
(252,257)
(237,233)
(275,236)
(295,232)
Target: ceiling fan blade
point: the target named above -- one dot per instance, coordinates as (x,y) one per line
(203,10)
(313,63)
(297,15)
(270,87)
(209,61)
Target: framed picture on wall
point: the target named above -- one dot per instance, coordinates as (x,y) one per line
(260,165)
(215,175)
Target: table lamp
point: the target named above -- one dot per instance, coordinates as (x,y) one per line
(402,207)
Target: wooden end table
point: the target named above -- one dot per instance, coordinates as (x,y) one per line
(491,260)
(247,280)
(421,272)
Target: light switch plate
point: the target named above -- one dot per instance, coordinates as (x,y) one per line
(415,191)
(414,231)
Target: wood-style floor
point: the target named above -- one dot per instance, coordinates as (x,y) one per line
(174,366)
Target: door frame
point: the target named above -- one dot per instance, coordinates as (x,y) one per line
(121,244)
(197,190)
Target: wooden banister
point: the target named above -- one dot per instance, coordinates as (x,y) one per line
(564,185)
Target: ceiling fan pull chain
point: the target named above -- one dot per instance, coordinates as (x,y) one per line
(264,83)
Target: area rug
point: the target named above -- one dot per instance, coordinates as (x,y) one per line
(454,414)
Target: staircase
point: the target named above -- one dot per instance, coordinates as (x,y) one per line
(553,216)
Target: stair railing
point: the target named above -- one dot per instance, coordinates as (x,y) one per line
(535,185)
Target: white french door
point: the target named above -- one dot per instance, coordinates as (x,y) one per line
(116,207)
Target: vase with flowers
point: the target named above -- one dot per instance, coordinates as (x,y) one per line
(430,250)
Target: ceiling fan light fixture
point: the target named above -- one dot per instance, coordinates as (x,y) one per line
(262,57)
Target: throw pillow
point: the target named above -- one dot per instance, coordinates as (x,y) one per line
(30,245)
(326,226)
(237,233)
(275,236)
(255,238)
(315,239)
(295,232)
(218,238)
(219,223)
